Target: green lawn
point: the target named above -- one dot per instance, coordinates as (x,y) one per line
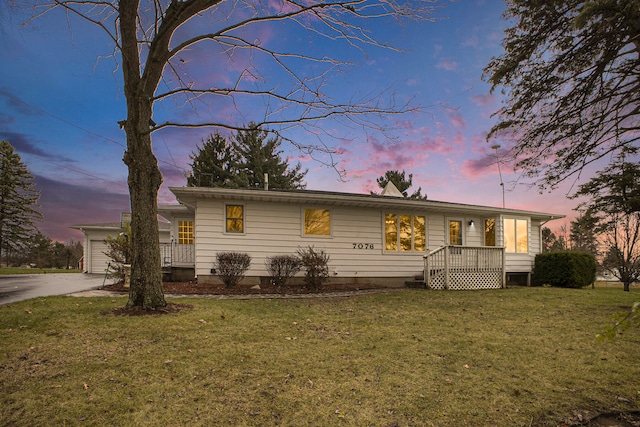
(513,357)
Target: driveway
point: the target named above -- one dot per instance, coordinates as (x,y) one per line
(25,286)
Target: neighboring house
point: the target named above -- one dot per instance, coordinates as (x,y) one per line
(384,239)
(94,259)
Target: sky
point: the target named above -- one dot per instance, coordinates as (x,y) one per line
(61,97)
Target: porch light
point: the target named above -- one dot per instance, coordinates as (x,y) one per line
(471,223)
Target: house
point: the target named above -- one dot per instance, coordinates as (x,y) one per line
(386,239)
(94,259)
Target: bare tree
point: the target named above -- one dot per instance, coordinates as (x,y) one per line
(156,40)
(614,201)
(569,73)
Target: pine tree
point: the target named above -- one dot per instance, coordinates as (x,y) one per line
(583,233)
(214,164)
(260,155)
(242,162)
(18,202)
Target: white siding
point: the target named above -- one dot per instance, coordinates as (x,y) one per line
(272,229)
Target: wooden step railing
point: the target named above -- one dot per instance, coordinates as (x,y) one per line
(465,267)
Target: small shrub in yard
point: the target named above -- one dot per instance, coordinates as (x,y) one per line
(281,268)
(316,264)
(565,269)
(231,267)
(119,254)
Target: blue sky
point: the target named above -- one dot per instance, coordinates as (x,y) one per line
(61,98)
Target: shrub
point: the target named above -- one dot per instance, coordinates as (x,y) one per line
(119,254)
(316,264)
(565,269)
(231,266)
(281,268)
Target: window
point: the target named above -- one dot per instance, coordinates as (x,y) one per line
(490,232)
(185,232)
(455,232)
(317,222)
(516,236)
(391,232)
(235,219)
(404,233)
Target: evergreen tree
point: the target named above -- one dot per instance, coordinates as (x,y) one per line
(259,155)
(243,162)
(401,182)
(583,233)
(215,164)
(18,202)
(40,250)
(549,239)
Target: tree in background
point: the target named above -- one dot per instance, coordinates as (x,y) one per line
(402,183)
(243,162)
(570,72)
(18,202)
(73,253)
(260,155)
(552,243)
(215,164)
(583,233)
(614,198)
(40,250)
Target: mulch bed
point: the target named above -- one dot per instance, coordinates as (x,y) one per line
(188,288)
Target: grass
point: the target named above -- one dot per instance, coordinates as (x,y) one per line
(21,270)
(513,357)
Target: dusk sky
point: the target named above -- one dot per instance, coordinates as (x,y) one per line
(61,98)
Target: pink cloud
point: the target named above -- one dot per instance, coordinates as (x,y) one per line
(475,168)
(456,119)
(447,64)
(483,100)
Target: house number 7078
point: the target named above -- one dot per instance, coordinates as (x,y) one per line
(363,246)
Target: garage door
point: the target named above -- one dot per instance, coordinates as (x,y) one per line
(99,260)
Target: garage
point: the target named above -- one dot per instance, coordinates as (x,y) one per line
(95,261)
(98,261)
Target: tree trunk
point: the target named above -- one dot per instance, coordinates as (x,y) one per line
(144,182)
(144,175)
(627,286)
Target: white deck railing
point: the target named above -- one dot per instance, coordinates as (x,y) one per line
(465,267)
